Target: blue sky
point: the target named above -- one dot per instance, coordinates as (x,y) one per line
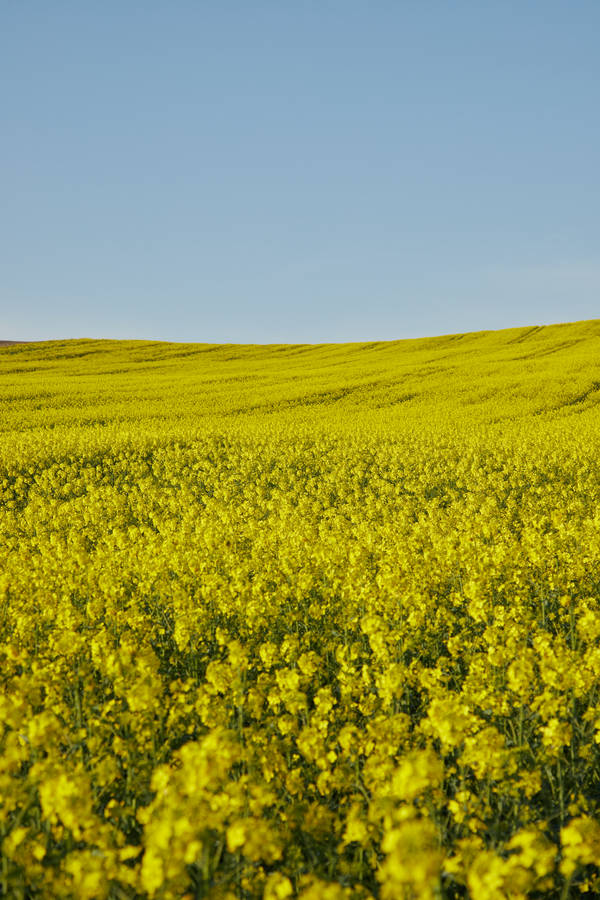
(306,171)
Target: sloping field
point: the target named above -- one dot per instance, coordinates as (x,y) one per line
(315,621)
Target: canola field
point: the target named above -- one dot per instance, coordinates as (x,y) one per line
(313,622)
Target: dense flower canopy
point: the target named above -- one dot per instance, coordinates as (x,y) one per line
(301,621)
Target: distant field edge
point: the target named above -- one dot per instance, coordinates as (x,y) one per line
(522,330)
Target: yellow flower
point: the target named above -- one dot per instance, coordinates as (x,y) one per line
(277,887)
(356,826)
(419,771)
(413,861)
(580,844)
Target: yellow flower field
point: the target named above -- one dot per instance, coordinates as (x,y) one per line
(301,621)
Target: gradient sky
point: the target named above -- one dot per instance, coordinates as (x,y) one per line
(300,171)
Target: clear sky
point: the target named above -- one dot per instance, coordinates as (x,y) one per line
(269,171)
